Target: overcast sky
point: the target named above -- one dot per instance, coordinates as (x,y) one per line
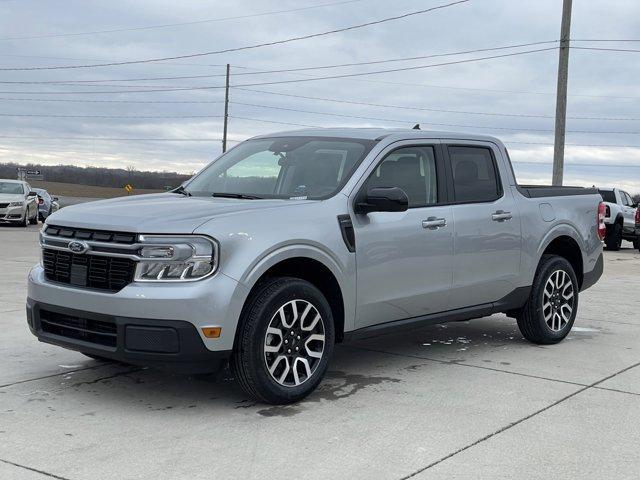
(602,84)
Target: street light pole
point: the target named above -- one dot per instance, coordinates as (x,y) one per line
(561,100)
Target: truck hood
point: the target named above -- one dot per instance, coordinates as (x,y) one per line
(157,213)
(11,197)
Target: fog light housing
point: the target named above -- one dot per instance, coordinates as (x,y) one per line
(176,258)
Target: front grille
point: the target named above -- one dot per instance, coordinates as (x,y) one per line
(95,235)
(101,332)
(90,271)
(4,205)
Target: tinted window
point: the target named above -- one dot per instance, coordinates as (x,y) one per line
(474,174)
(627,199)
(608,196)
(284,167)
(413,169)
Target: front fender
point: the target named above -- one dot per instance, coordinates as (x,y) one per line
(342,269)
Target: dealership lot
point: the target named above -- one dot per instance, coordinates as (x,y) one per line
(461,400)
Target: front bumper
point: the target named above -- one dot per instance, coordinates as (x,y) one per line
(184,307)
(171,345)
(12,214)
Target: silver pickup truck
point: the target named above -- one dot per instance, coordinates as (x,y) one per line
(292,242)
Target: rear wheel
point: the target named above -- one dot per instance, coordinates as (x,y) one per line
(551,309)
(613,239)
(636,244)
(285,341)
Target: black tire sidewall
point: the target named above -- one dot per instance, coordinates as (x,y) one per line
(549,266)
(613,240)
(258,316)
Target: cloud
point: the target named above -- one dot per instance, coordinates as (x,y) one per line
(494,86)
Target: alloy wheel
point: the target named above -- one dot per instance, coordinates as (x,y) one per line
(294,343)
(558,300)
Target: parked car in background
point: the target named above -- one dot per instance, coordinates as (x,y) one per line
(18,203)
(292,242)
(46,203)
(621,218)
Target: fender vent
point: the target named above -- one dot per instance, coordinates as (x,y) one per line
(348,234)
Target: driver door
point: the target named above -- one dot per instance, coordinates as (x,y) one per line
(405,259)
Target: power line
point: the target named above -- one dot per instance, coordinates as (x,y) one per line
(403,107)
(574,144)
(144,117)
(168,25)
(301,80)
(604,40)
(413,121)
(246,47)
(113,139)
(603,49)
(283,70)
(70,100)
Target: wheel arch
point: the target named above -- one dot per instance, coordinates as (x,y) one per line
(566,246)
(313,265)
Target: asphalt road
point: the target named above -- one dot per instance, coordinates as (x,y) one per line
(468,400)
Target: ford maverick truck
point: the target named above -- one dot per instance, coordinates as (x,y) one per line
(293,242)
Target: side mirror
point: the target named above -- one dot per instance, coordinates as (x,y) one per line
(55,199)
(383,199)
(32,194)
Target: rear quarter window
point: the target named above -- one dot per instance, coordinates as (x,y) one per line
(608,196)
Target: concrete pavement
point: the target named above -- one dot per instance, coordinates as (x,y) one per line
(461,400)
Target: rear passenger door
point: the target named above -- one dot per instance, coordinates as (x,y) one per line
(487,235)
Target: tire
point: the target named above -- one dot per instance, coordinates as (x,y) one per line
(613,239)
(636,244)
(547,317)
(262,361)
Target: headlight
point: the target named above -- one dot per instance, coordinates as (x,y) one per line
(16,204)
(176,258)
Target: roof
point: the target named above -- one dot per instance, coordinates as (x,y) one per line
(378,133)
(10,180)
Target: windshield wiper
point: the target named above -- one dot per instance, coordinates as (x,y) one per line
(236,195)
(181,191)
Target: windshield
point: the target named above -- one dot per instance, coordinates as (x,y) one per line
(283,167)
(11,187)
(608,196)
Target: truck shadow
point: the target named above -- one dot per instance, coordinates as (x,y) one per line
(364,367)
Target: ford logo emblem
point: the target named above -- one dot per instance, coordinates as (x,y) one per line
(78,247)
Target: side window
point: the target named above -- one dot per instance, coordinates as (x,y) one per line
(627,199)
(413,169)
(474,174)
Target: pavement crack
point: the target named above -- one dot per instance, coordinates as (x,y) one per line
(462,364)
(42,472)
(109,377)
(66,372)
(517,422)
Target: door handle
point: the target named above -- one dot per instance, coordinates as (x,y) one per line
(501,216)
(433,223)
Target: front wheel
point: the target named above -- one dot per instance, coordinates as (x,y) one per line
(548,315)
(285,341)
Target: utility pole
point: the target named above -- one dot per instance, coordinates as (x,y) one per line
(226,111)
(561,99)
